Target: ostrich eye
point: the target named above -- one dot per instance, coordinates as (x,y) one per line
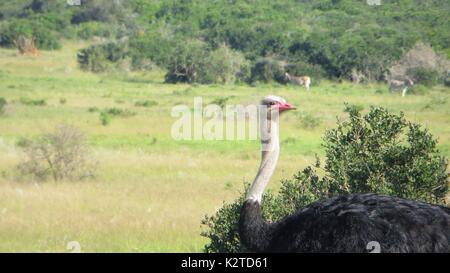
(272,103)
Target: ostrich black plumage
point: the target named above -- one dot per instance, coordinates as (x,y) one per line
(344,223)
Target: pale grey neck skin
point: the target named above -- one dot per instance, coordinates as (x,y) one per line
(270,150)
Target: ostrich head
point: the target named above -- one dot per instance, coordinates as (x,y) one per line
(275,103)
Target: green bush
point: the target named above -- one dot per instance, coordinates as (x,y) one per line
(105,118)
(112,12)
(93,109)
(418,89)
(27,101)
(3,104)
(151,49)
(117,112)
(43,36)
(222,228)
(11,30)
(89,30)
(146,103)
(184,65)
(447,81)
(107,114)
(377,152)
(225,66)
(268,70)
(102,58)
(382,152)
(424,76)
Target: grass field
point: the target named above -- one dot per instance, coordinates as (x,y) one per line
(150,191)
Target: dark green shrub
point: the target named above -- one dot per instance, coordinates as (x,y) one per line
(43,35)
(93,109)
(184,65)
(107,114)
(89,30)
(10,31)
(27,101)
(105,119)
(101,58)
(112,12)
(3,104)
(146,103)
(377,152)
(424,76)
(222,227)
(117,112)
(447,81)
(382,152)
(45,38)
(151,48)
(268,70)
(224,65)
(23,142)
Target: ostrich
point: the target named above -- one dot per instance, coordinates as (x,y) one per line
(346,223)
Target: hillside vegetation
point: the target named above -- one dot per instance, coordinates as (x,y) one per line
(236,40)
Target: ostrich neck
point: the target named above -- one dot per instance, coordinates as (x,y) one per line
(270,149)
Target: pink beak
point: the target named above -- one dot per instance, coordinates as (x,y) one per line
(285,106)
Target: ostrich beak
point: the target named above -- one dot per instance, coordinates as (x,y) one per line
(286,106)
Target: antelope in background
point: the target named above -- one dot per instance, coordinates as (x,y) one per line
(303,80)
(396,85)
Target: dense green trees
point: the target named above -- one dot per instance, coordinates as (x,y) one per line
(333,38)
(36,29)
(100,58)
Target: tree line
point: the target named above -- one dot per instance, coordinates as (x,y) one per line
(227,41)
